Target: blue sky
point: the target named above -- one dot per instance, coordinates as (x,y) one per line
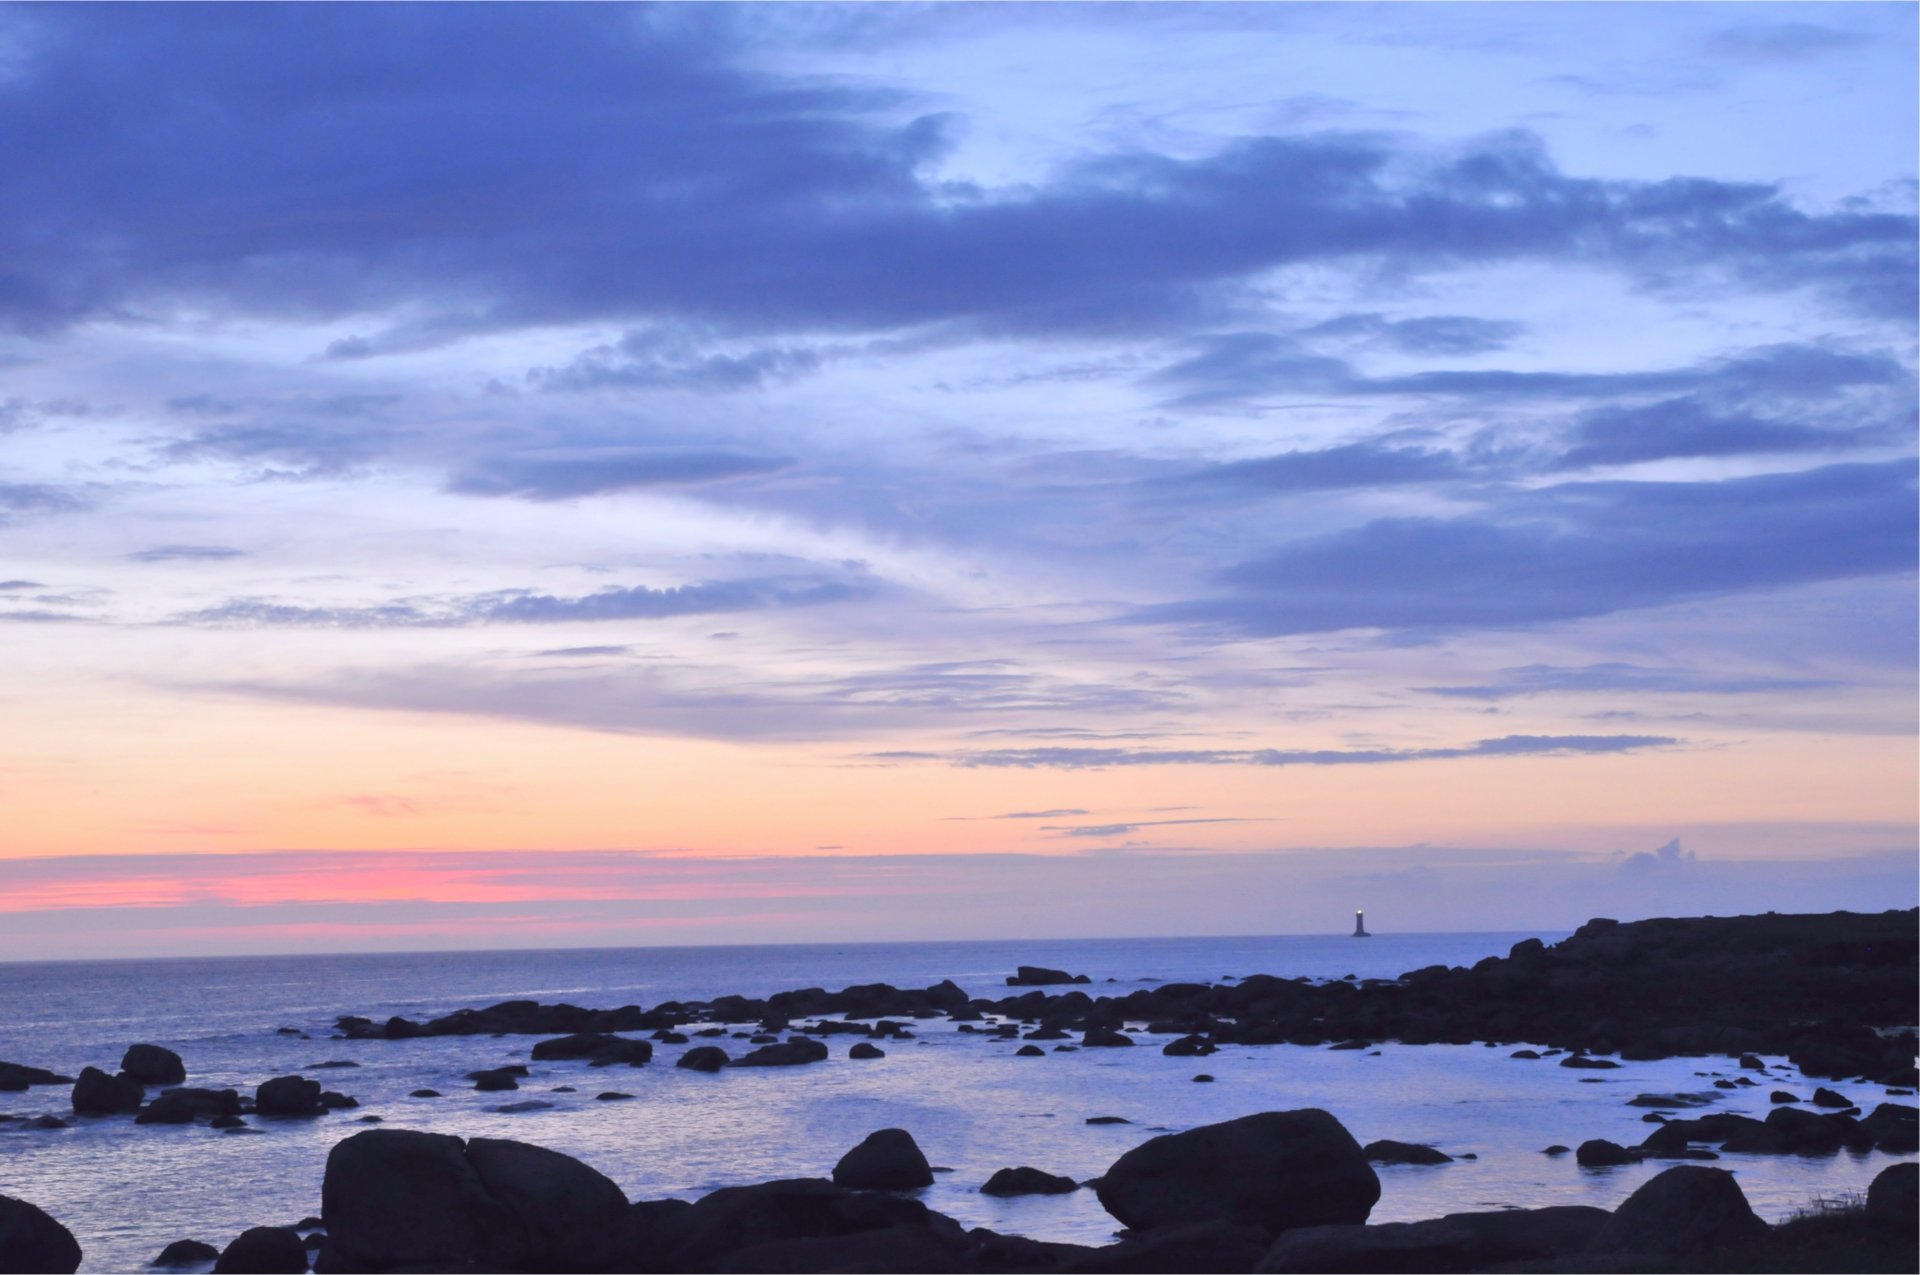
(1291,434)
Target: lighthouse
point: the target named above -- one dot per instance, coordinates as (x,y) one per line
(1360,925)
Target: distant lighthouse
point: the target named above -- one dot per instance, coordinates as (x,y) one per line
(1360,925)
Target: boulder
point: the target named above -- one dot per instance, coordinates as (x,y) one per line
(703,1058)
(1580,1062)
(788,1053)
(1387,1151)
(893,1248)
(597,1048)
(862,1049)
(1104,1038)
(186,1253)
(17,1077)
(288,1096)
(263,1250)
(98,1094)
(1027,1181)
(31,1243)
(1599,1153)
(184,1106)
(1041,976)
(425,1093)
(1824,1097)
(571,1213)
(649,1233)
(735,1219)
(1683,1210)
(1394,1246)
(398,1198)
(152,1065)
(1894,1128)
(1196,1248)
(887,1160)
(1029,1051)
(1189,1047)
(493,1080)
(1276,1170)
(1893,1200)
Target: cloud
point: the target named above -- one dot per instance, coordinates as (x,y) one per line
(580,652)
(565,477)
(1573,551)
(41,498)
(1094,758)
(1440,334)
(187,553)
(523,606)
(649,359)
(479,168)
(14,586)
(1667,858)
(1685,427)
(1369,464)
(1615,677)
(1101,830)
(1782,41)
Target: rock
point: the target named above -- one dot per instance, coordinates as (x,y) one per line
(183,1106)
(1027,1181)
(612,1095)
(31,1243)
(887,1160)
(288,1096)
(1555,1149)
(1041,976)
(1824,1097)
(186,1253)
(337,1101)
(1189,1047)
(493,1080)
(1387,1151)
(597,1048)
(47,1122)
(1203,1079)
(571,1212)
(332,1064)
(1275,1170)
(263,1250)
(518,1108)
(795,1052)
(309,1223)
(1108,1120)
(399,1198)
(735,1221)
(1029,1051)
(17,1077)
(1581,1062)
(1394,1246)
(862,1049)
(1194,1248)
(703,1058)
(425,1093)
(1894,1128)
(1599,1153)
(1751,1062)
(98,1094)
(1893,1200)
(1104,1038)
(1685,1209)
(372,1120)
(890,1249)
(1525,1053)
(1780,1095)
(152,1065)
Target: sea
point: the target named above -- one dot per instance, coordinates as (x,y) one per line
(127,1190)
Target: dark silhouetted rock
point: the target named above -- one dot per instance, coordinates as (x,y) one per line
(703,1058)
(332,1064)
(399,1198)
(184,1106)
(1108,1120)
(1203,1079)
(1894,1128)
(186,1253)
(1893,1200)
(1027,1181)
(736,1221)
(1194,1248)
(1387,1151)
(1029,1051)
(1555,1149)
(152,1065)
(1275,1170)
(96,1093)
(1529,1054)
(1041,976)
(288,1096)
(31,1243)
(1580,1062)
(597,1048)
(788,1053)
(1781,1095)
(494,1080)
(337,1101)
(1189,1047)
(17,1077)
(862,1049)
(263,1250)
(572,1213)
(612,1095)
(523,1107)
(887,1160)
(1599,1153)
(1824,1097)
(1456,1242)
(1685,1209)
(425,1093)
(1104,1038)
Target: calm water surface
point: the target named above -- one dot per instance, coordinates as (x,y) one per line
(126,1190)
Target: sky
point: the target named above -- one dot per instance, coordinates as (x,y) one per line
(479,476)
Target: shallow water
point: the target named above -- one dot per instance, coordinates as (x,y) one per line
(128,1190)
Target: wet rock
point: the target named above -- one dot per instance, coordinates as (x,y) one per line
(1824,1097)
(1275,1170)
(1041,976)
(18,1077)
(1555,1149)
(1104,1038)
(1780,1095)
(734,1224)
(1027,1181)
(263,1250)
(493,1080)
(1203,1079)
(337,1101)
(1108,1120)
(519,1108)
(152,1065)
(862,1049)
(703,1058)
(1750,1062)
(1529,1054)
(32,1243)
(1387,1151)
(186,1253)
(598,1049)
(795,1052)
(1685,1209)
(572,1213)
(332,1064)
(184,1106)
(1189,1047)
(425,1093)
(1893,1200)
(288,1096)
(1029,1051)
(1580,1062)
(1194,1248)
(96,1093)
(886,1160)
(1597,1153)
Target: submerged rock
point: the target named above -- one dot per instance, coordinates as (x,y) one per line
(1387,1151)
(1027,1181)
(596,1048)
(795,1052)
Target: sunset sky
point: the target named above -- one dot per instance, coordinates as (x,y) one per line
(497,475)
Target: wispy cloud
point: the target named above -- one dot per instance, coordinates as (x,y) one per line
(1095,758)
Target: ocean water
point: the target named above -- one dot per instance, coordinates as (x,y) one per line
(127,1190)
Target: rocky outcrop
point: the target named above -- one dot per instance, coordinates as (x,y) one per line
(1456,1242)
(263,1250)
(1041,976)
(152,1065)
(703,1058)
(1193,1248)
(1027,1181)
(1275,1170)
(570,1214)
(597,1048)
(98,1094)
(756,1227)
(290,1096)
(17,1077)
(31,1243)
(1686,1209)
(886,1160)
(1387,1151)
(184,1106)
(794,1052)
(185,1253)
(1893,1200)
(1599,1153)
